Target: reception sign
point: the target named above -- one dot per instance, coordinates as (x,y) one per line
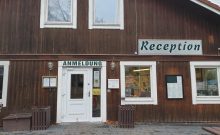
(169,47)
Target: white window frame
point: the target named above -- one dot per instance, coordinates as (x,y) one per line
(153,83)
(5,64)
(204,99)
(105,26)
(45,24)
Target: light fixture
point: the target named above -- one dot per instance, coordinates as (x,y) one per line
(50,65)
(112,65)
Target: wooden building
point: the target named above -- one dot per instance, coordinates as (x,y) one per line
(84,60)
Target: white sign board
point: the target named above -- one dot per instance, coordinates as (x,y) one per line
(169,47)
(174,87)
(113,83)
(49,81)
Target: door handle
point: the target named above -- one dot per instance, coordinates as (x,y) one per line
(89,94)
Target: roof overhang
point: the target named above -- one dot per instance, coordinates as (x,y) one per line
(207,6)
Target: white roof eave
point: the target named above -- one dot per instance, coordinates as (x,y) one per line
(206,6)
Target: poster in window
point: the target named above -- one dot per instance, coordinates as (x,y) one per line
(96,79)
(174,84)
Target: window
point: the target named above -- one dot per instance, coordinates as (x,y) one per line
(205,82)
(58,13)
(76,90)
(3,81)
(138,82)
(106,14)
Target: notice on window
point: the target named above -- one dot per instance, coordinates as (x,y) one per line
(96,79)
(174,87)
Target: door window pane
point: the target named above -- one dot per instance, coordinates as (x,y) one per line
(207,82)
(1,80)
(106,12)
(76,91)
(137,81)
(96,93)
(59,11)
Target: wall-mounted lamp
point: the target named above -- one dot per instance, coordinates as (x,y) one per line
(112,65)
(50,65)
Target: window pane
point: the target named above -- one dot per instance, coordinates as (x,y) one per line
(137,81)
(96,93)
(76,86)
(206,82)
(59,11)
(1,80)
(105,11)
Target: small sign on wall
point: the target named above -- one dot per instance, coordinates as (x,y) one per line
(113,83)
(174,84)
(49,81)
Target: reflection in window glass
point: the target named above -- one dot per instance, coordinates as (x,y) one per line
(106,12)
(206,82)
(137,81)
(59,11)
(76,86)
(1,80)
(96,93)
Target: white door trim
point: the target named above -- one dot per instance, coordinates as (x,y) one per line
(61,73)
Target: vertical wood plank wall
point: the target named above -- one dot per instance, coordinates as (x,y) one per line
(167,110)
(20,34)
(154,19)
(25,88)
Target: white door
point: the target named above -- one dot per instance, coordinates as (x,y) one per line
(76,99)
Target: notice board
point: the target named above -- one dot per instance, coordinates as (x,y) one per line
(174,85)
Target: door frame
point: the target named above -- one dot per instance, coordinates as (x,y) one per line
(61,73)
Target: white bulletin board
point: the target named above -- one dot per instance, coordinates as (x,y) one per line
(174,85)
(49,81)
(113,83)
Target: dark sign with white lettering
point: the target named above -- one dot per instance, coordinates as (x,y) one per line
(169,47)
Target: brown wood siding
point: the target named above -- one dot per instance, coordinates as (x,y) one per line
(180,110)
(167,110)
(113,95)
(174,110)
(25,91)
(156,19)
(25,88)
(29,48)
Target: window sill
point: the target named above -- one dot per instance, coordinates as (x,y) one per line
(207,100)
(57,25)
(138,101)
(106,27)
